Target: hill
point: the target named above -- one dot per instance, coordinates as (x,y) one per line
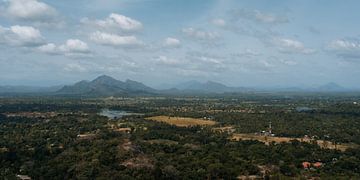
(106,86)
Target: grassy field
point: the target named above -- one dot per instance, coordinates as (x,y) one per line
(268,139)
(182,121)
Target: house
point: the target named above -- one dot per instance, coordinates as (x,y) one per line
(318,164)
(306,165)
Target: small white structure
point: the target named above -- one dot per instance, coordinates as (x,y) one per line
(23,177)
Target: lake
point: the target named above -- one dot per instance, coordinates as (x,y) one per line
(116,114)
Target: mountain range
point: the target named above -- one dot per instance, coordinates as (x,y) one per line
(208,87)
(108,86)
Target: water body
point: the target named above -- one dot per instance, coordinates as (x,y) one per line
(116,114)
(304,109)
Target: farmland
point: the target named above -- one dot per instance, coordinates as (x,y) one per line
(273,139)
(182,121)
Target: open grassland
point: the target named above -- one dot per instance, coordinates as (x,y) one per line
(269,139)
(182,121)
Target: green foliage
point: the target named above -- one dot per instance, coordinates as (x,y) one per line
(49,148)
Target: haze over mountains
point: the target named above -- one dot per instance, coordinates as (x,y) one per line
(108,86)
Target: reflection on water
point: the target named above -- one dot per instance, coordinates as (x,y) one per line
(115,114)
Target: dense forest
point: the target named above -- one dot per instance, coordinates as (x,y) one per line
(74,142)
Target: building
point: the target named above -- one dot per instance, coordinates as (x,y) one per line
(23,177)
(318,164)
(306,165)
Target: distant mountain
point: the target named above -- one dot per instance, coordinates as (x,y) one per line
(28,89)
(207,87)
(106,86)
(331,87)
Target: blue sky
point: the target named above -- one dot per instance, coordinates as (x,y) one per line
(239,43)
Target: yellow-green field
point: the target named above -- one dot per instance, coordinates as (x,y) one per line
(268,139)
(182,121)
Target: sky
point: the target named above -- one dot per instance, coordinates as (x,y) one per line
(253,43)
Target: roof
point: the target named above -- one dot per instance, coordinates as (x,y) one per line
(306,164)
(317,164)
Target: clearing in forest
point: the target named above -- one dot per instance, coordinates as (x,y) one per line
(268,139)
(182,121)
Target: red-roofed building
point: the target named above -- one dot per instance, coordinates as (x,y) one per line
(318,165)
(306,165)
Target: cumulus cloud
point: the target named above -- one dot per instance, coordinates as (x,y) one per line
(115,22)
(26,36)
(30,10)
(72,47)
(115,40)
(171,42)
(258,16)
(49,48)
(286,45)
(346,48)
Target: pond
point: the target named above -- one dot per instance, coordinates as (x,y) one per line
(116,114)
(304,109)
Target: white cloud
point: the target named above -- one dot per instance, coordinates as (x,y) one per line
(72,47)
(115,40)
(286,45)
(258,16)
(199,34)
(171,42)
(31,10)
(26,36)
(48,48)
(345,48)
(115,22)
(166,61)
(26,33)
(219,22)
